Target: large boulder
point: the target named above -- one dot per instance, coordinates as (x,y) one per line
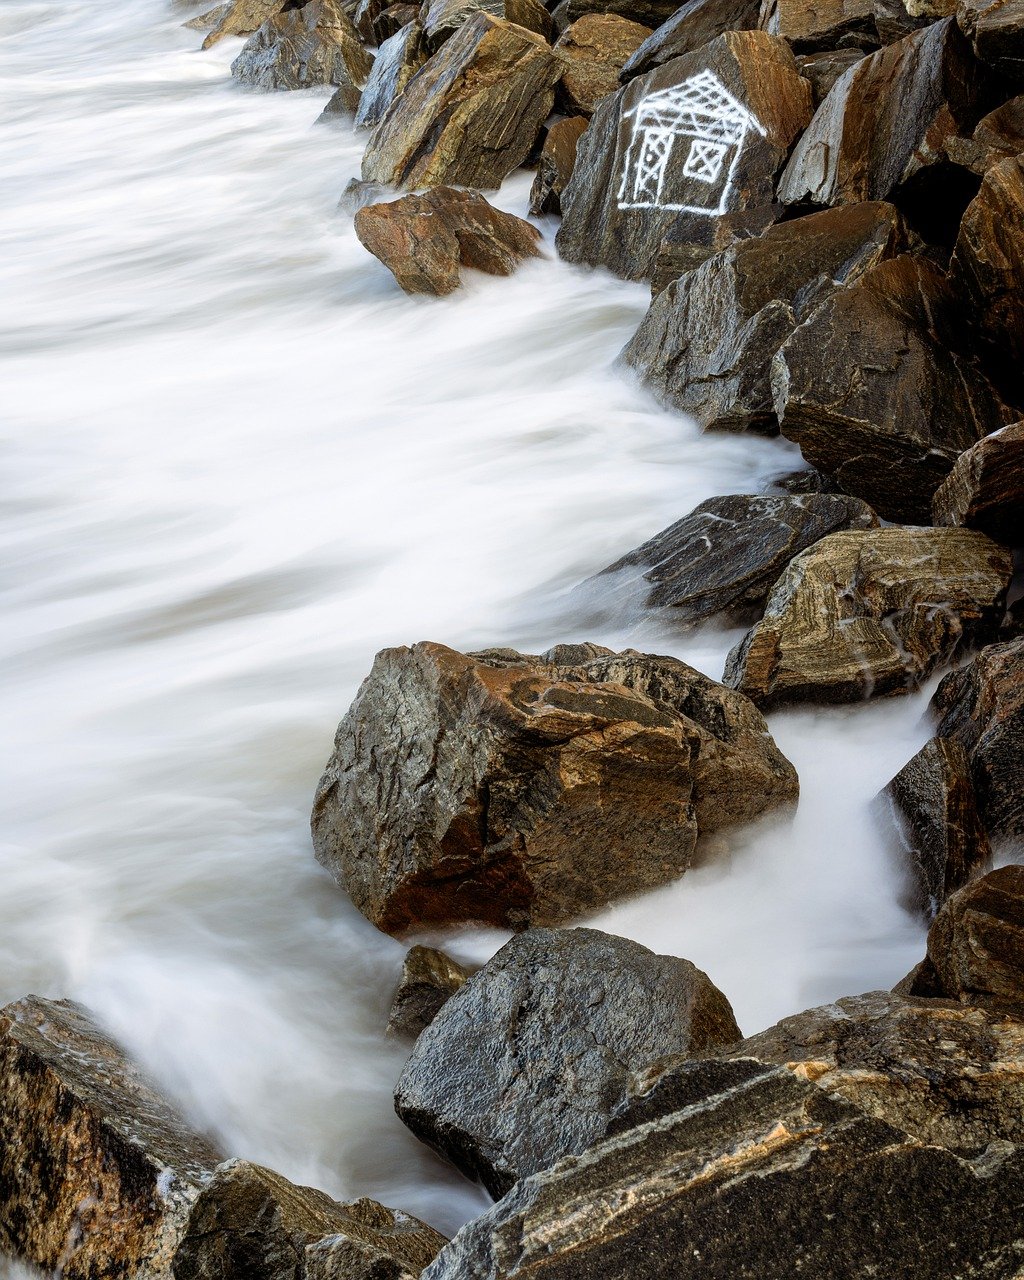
(306,45)
(692,26)
(471,114)
(97,1173)
(242,18)
(442,18)
(985,489)
(703,135)
(728,553)
(397,61)
(526,1062)
(555,166)
(871,612)
(516,790)
(976,942)
(594,49)
(995,29)
(429,978)
(810,25)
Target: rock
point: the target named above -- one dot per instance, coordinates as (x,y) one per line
(825,68)
(728,553)
(707,343)
(685,249)
(423,240)
(771,1179)
(995,29)
(358,194)
(812,26)
(877,388)
(692,26)
(650,13)
(922,981)
(313,44)
(554,169)
(210,19)
(344,101)
(594,50)
(242,18)
(393,19)
(805,480)
(976,942)
(251,1224)
(470,115)
(398,59)
(871,612)
(442,18)
(516,790)
(1003,129)
(703,135)
(982,707)
(934,809)
(364,17)
(97,1172)
(985,489)
(429,978)
(523,1065)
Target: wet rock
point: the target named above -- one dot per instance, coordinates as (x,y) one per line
(692,26)
(97,1172)
(470,115)
(811,26)
(442,18)
(684,250)
(594,50)
(364,16)
(398,59)
(936,815)
(358,194)
(523,1065)
(555,166)
(210,19)
(805,480)
(703,135)
(877,388)
(728,553)
(976,942)
(393,19)
(981,706)
(344,101)
(650,13)
(707,343)
(429,978)
(985,489)
(518,790)
(425,240)
(249,1223)
(870,613)
(242,18)
(995,29)
(825,68)
(313,44)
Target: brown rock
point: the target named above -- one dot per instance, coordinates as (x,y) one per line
(442,18)
(210,19)
(976,942)
(470,115)
(242,18)
(429,979)
(398,59)
(555,166)
(985,489)
(995,29)
(594,50)
(393,19)
(1003,129)
(814,25)
(686,249)
(692,26)
(650,13)
(364,17)
(824,69)
(871,612)
(306,45)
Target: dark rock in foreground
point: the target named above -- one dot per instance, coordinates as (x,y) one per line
(306,45)
(429,979)
(985,489)
(526,1062)
(554,169)
(976,943)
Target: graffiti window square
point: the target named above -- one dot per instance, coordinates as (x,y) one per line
(704,161)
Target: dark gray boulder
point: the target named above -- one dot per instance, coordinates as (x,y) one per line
(823,69)
(429,978)
(692,26)
(398,59)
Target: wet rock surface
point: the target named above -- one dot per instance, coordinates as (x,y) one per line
(242,18)
(397,61)
(524,1064)
(692,26)
(976,943)
(313,44)
(429,979)
(822,70)
(686,248)
(985,489)
(811,26)
(995,29)
(555,166)
(442,18)
(594,49)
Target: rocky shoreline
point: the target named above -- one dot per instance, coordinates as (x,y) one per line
(828,205)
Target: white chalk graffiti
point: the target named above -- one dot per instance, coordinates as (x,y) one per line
(701,127)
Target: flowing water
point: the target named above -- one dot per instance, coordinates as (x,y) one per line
(236,461)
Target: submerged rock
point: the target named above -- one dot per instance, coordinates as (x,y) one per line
(554,168)
(985,489)
(306,45)
(398,59)
(976,943)
(429,979)
(692,26)
(594,49)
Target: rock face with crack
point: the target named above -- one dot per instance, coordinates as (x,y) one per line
(311,44)
(985,489)
(525,1063)
(976,943)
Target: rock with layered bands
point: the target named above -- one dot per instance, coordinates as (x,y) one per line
(650,13)
(554,168)
(210,19)
(985,489)
(398,59)
(392,19)
(878,389)
(636,179)
(728,553)
(594,50)
(442,18)
(872,612)
(995,29)
(429,979)
(471,114)
(525,1063)
(976,943)
(516,790)
(692,26)
(97,1172)
(307,45)
(242,18)
(811,26)
(707,343)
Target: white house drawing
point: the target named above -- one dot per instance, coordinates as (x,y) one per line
(684,148)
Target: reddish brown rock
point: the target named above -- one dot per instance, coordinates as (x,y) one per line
(995,29)
(693,25)
(554,169)
(985,489)
(976,942)
(811,25)
(594,50)
(310,44)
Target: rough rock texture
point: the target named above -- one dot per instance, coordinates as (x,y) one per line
(251,1224)
(470,115)
(514,789)
(976,942)
(686,249)
(982,707)
(824,69)
(424,240)
(554,169)
(651,13)
(310,45)
(594,50)
(242,18)
(811,25)
(936,816)
(874,389)
(429,978)
(524,1064)
(442,18)
(995,29)
(707,343)
(210,19)
(772,1179)
(871,612)
(985,489)
(692,26)
(97,1172)
(614,216)
(728,553)
(398,59)
(392,19)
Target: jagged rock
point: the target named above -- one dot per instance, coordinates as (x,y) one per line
(982,707)
(442,18)
(811,26)
(554,169)
(922,981)
(364,17)
(242,18)
(344,101)
(976,943)
(686,249)
(692,26)
(985,489)
(313,44)
(825,68)
(210,19)
(650,13)
(871,612)
(524,1064)
(470,115)
(398,59)
(515,789)
(875,388)
(771,1179)
(995,29)
(635,178)
(424,240)
(805,480)
(936,816)
(707,343)
(728,553)
(594,50)
(249,1223)
(97,1172)
(429,978)
(393,19)
(1003,129)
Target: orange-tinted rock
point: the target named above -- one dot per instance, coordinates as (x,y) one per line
(594,50)
(242,18)
(554,169)
(811,25)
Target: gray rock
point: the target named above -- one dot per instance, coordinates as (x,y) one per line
(825,68)
(311,44)
(398,59)
(429,979)
(442,18)
(210,19)
(692,26)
